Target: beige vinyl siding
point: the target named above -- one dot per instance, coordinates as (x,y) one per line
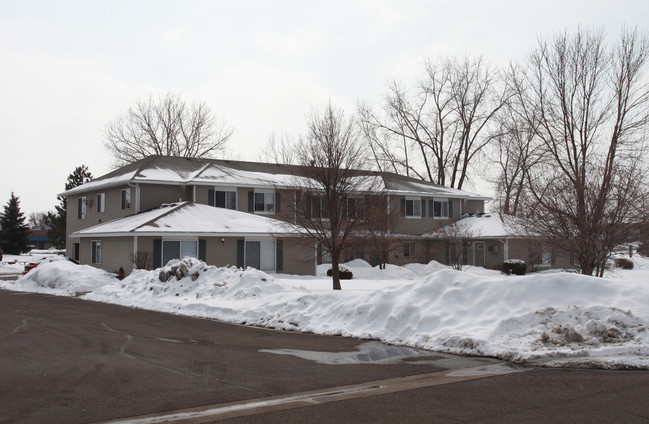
(116,252)
(298,257)
(113,209)
(221,254)
(474,206)
(154,195)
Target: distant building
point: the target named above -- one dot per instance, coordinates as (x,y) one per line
(38,239)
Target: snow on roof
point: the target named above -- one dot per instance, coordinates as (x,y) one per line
(489,225)
(175,170)
(189,218)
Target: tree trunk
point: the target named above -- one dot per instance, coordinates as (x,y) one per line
(335,272)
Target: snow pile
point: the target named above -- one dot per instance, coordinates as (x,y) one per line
(59,276)
(555,318)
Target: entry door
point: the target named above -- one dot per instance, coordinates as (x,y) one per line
(76,251)
(253,254)
(478,253)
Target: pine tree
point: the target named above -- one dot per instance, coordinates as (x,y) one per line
(13,229)
(56,220)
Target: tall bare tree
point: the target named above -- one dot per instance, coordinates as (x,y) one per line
(379,227)
(165,125)
(514,153)
(278,149)
(588,103)
(439,130)
(329,187)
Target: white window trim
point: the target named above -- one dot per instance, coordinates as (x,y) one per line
(84,208)
(228,189)
(101,204)
(127,199)
(442,201)
(413,208)
(254,202)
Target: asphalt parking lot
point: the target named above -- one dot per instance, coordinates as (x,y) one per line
(65,360)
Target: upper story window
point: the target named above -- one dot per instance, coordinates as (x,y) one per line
(126,198)
(441,208)
(222,198)
(320,207)
(82,207)
(412,207)
(265,201)
(101,202)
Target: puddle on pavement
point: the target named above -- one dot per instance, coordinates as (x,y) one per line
(379,353)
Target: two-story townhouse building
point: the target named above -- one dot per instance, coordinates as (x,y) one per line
(231,213)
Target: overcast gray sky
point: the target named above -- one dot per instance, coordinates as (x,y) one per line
(67,68)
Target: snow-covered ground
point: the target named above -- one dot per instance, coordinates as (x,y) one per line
(552,318)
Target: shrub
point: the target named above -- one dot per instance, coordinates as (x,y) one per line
(623,263)
(345,274)
(514,266)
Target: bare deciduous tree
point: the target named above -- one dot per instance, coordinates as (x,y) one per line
(278,149)
(327,189)
(165,125)
(589,107)
(378,230)
(436,133)
(37,220)
(514,154)
(458,237)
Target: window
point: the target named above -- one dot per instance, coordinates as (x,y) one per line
(264,202)
(222,199)
(409,249)
(441,208)
(260,255)
(413,208)
(82,206)
(319,207)
(126,198)
(178,249)
(101,202)
(96,252)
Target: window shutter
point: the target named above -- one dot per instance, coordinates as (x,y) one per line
(279,255)
(423,208)
(403,206)
(240,253)
(431,208)
(278,202)
(201,249)
(251,201)
(157,253)
(450,209)
(210,197)
(79,207)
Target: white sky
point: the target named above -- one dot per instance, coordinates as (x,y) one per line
(69,67)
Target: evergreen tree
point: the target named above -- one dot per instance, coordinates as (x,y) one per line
(13,229)
(56,220)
